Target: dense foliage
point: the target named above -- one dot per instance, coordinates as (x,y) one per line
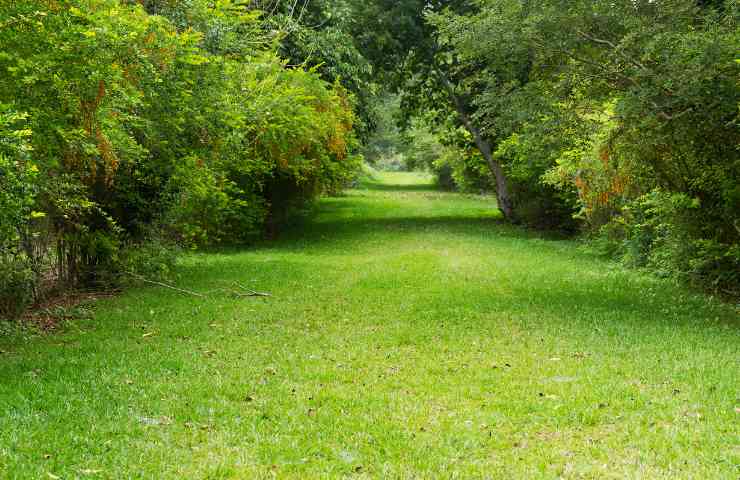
(617,117)
(624,113)
(122,122)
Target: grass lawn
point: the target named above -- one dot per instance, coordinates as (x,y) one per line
(410,334)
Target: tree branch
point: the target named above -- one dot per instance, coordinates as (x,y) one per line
(614,47)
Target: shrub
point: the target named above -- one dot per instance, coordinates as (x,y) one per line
(154,259)
(171,113)
(662,231)
(443,175)
(17,286)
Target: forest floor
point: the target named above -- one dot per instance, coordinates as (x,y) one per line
(410,334)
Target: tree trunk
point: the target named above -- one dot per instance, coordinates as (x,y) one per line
(503,197)
(505,203)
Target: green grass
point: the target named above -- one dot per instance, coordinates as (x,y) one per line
(411,334)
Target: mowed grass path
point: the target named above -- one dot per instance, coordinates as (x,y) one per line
(410,335)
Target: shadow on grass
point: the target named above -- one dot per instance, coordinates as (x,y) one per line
(348,218)
(332,224)
(386,187)
(316,232)
(334,229)
(605,304)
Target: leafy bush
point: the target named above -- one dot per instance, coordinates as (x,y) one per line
(178,114)
(17,285)
(443,175)
(660,230)
(18,190)
(18,180)
(154,259)
(461,169)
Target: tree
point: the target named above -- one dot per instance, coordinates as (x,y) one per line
(630,105)
(402,44)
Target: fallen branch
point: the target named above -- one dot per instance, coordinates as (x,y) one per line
(249,292)
(160,284)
